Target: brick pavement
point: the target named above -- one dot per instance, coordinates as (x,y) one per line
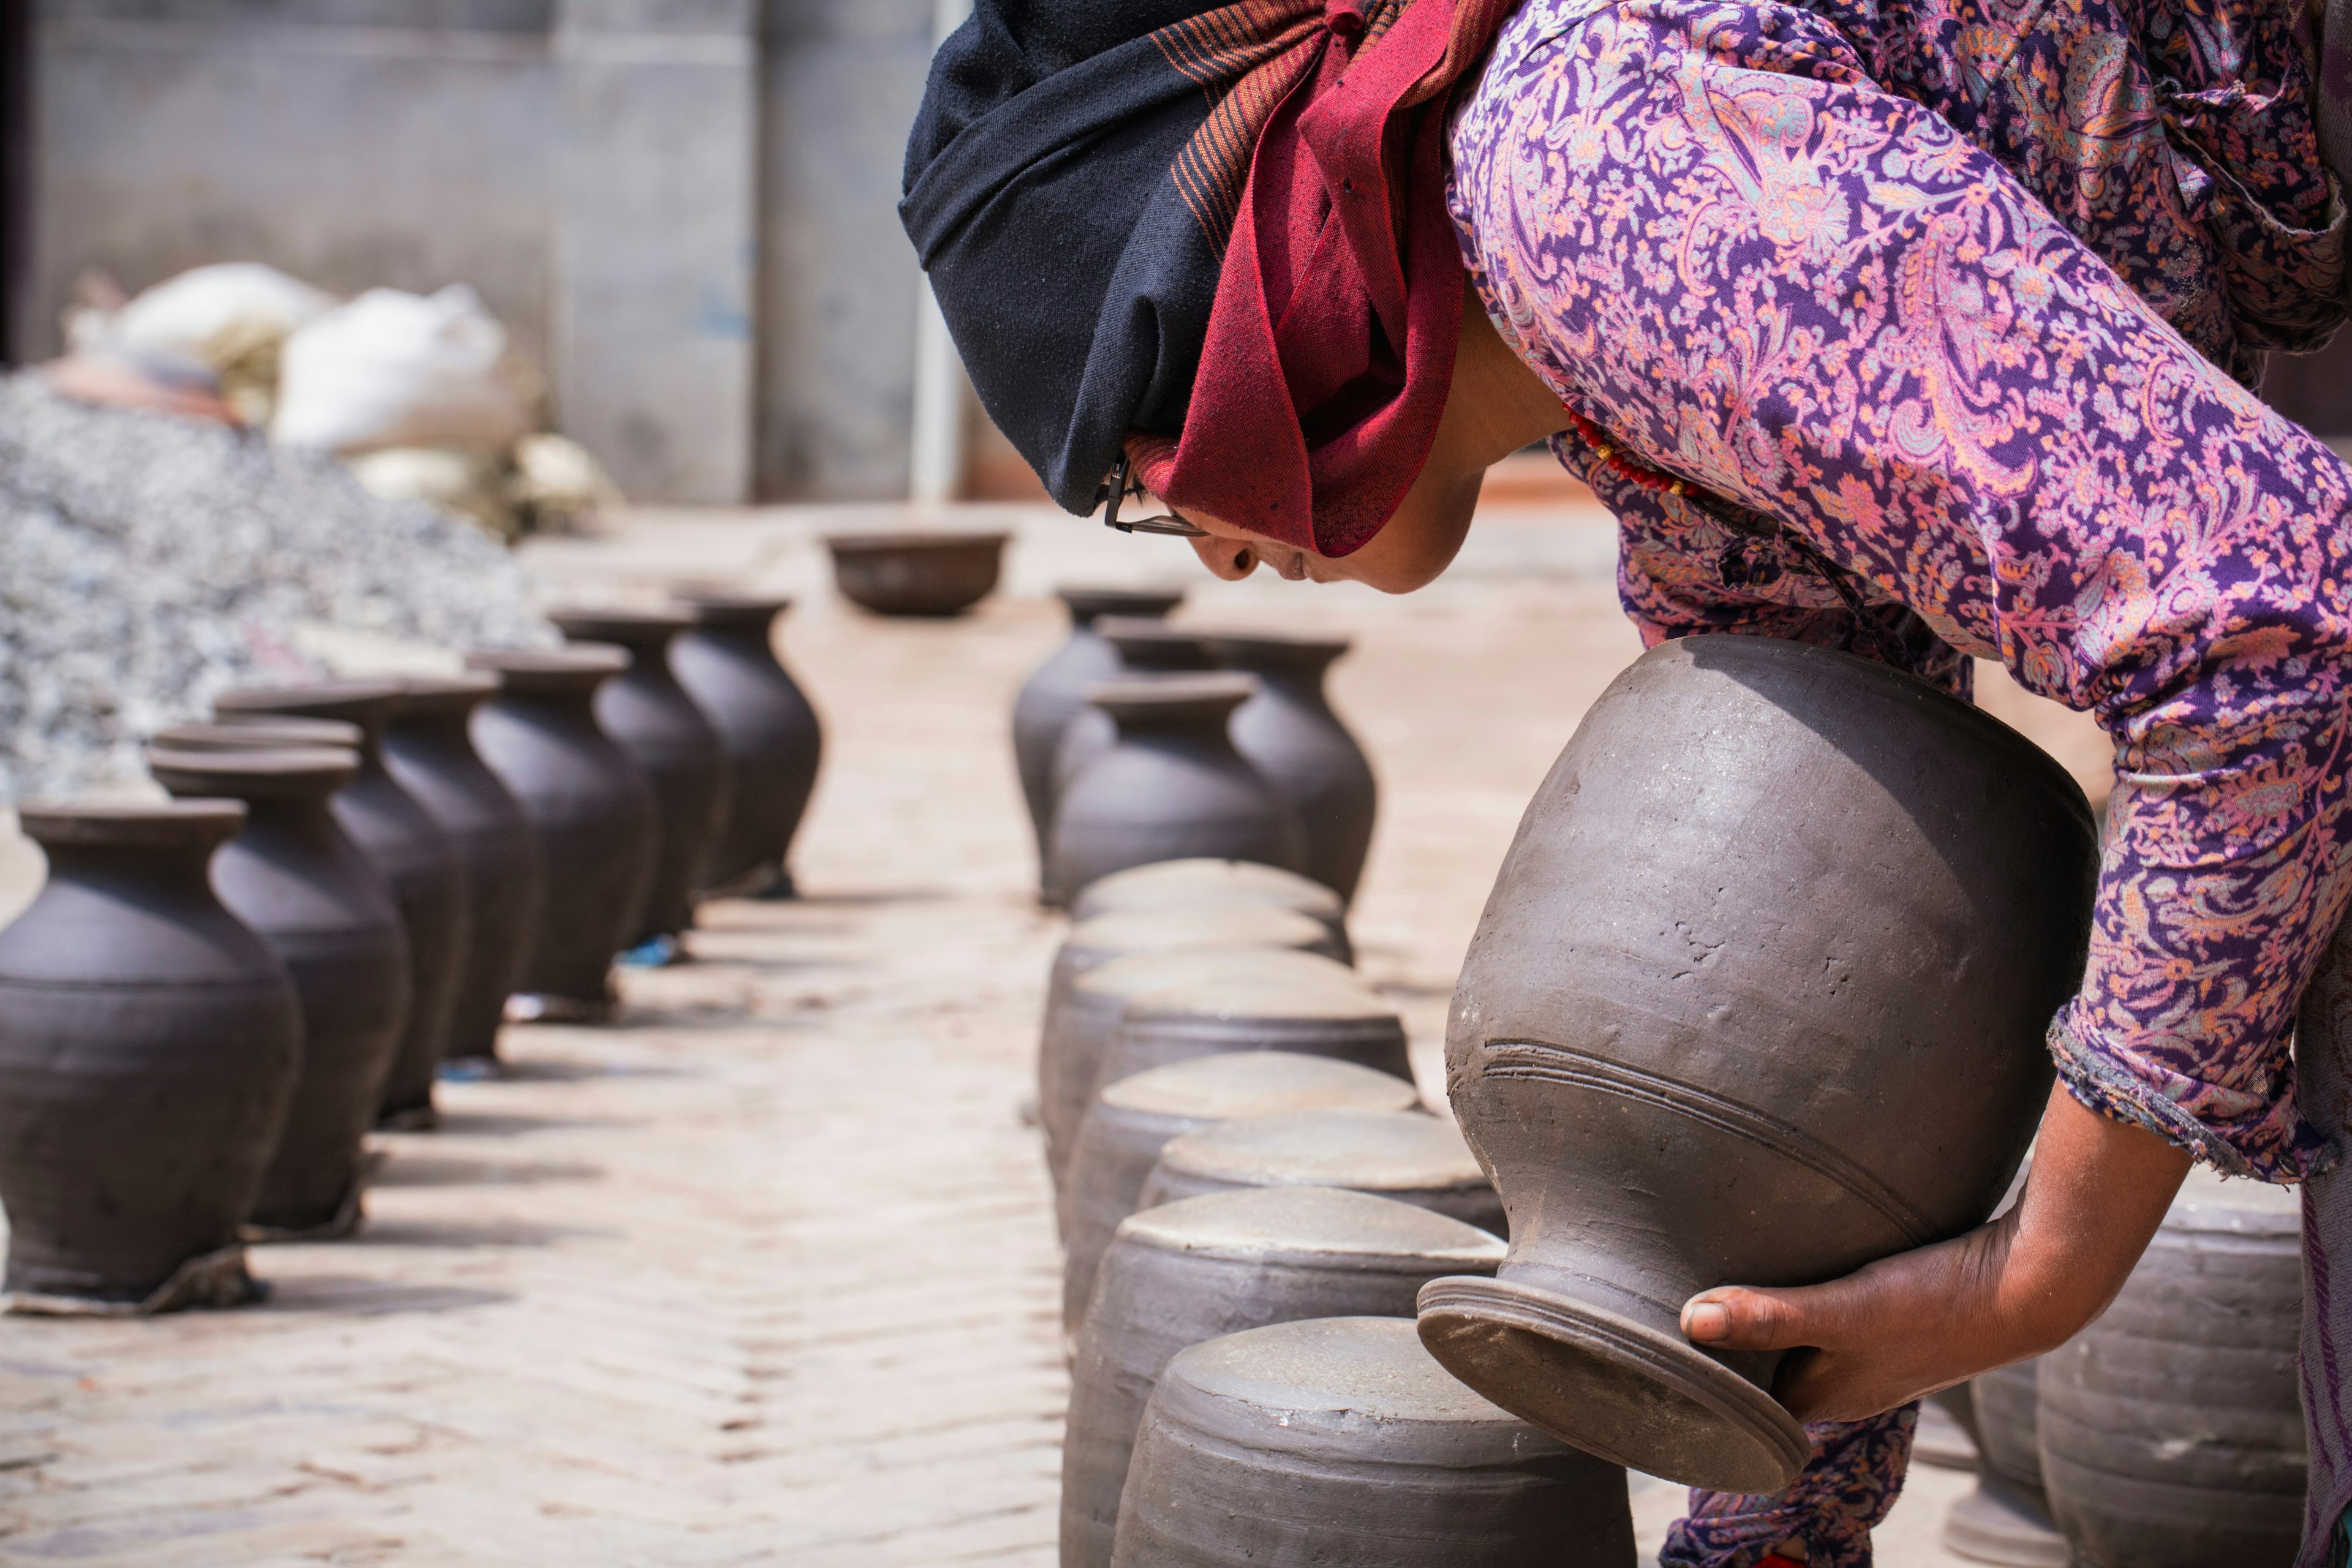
(766,1275)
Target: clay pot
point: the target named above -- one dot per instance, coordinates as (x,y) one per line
(1339,1440)
(1413,1158)
(649,715)
(415,855)
(1759,996)
(318,902)
(916,573)
(1202,884)
(430,750)
(1056,692)
(148,1048)
(591,811)
(1076,1032)
(1142,645)
(2006,1519)
(1184,1273)
(727,662)
(1133,1118)
(1288,732)
(2170,1433)
(1173,787)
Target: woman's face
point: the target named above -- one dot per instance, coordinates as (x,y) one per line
(1415,547)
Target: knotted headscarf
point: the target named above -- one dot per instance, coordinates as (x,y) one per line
(1223,230)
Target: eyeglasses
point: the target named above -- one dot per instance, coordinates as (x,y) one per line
(1123,484)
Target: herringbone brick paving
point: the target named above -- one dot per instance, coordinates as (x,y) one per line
(766,1274)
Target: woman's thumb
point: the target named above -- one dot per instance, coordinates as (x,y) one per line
(1736,1318)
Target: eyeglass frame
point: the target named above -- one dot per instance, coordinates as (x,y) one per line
(1122,484)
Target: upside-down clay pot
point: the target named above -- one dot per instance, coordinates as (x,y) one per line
(1187,1272)
(148,1046)
(1173,788)
(1056,692)
(1139,645)
(416,857)
(2170,1430)
(916,573)
(1338,1441)
(649,715)
(1075,1030)
(294,876)
(589,806)
(429,748)
(1202,884)
(1133,1120)
(2006,1519)
(1289,733)
(1758,998)
(727,663)
(1407,1155)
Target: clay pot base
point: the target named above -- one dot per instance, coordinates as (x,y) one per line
(1612,1386)
(348,1217)
(217,1278)
(1994,1523)
(416,1119)
(543,1008)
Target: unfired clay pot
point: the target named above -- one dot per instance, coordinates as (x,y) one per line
(2171,1431)
(1406,1155)
(1201,884)
(727,662)
(417,858)
(1056,691)
(1759,997)
(591,811)
(148,1046)
(1133,1120)
(294,876)
(430,750)
(2006,1519)
(1288,732)
(649,715)
(1338,1441)
(916,573)
(1139,645)
(1192,1271)
(1173,788)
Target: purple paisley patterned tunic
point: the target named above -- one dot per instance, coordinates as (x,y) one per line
(1959,296)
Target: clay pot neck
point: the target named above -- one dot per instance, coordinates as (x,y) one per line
(646,634)
(1088,606)
(279,785)
(369,704)
(1293,665)
(1168,705)
(1150,644)
(564,676)
(442,702)
(149,846)
(746,615)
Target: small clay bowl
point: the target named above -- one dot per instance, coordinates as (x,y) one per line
(916,573)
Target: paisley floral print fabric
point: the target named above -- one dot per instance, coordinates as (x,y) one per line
(1852,1479)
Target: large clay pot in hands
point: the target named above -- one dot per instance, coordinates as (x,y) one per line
(1141,645)
(649,715)
(1759,997)
(591,810)
(1289,733)
(2171,1431)
(294,876)
(1189,1272)
(415,854)
(429,748)
(1204,884)
(727,662)
(1407,1155)
(149,1041)
(1173,788)
(1056,692)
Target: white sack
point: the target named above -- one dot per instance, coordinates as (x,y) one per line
(399,370)
(185,316)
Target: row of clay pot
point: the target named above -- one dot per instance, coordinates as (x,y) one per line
(1128,756)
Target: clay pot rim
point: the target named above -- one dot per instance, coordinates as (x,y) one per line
(1089,604)
(913,541)
(621,625)
(1247,1147)
(131,825)
(1149,629)
(1212,874)
(431,695)
(1132,974)
(366,703)
(1220,1370)
(718,606)
(1175,1088)
(1219,1224)
(1273,999)
(1283,649)
(262,733)
(1174,695)
(325,769)
(1209,926)
(575,667)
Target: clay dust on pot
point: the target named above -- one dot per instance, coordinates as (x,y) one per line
(914,572)
(1202,884)
(296,877)
(727,664)
(1759,997)
(1187,1272)
(1339,1440)
(149,1042)
(1289,733)
(1409,1156)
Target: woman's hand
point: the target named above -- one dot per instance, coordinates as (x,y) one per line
(1919,1321)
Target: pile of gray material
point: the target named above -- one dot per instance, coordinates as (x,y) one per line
(148,561)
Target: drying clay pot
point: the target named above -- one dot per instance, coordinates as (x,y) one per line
(148,1048)
(1187,1272)
(1056,692)
(415,855)
(1202,884)
(430,750)
(2171,1431)
(1173,788)
(1338,1441)
(1139,645)
(1288,732)
(590,809)
(727,662)
(1406,1155)
(648,715)
(295,876)
(916,573)
(1133,1120)
(1759,997)
(2006,1519)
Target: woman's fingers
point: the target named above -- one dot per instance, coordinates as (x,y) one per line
(1736,1318)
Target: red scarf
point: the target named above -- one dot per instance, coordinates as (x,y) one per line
(1331,347)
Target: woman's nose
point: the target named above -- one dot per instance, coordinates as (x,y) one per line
(1230,559)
